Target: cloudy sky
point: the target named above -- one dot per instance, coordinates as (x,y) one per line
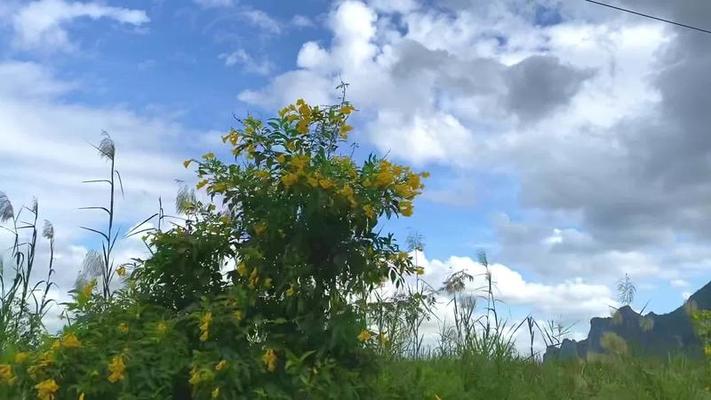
(567,140)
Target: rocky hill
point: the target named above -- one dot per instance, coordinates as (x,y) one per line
(649,334)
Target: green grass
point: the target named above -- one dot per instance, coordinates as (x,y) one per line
(473,377)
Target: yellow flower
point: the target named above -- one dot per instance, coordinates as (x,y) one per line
(253,278)
(414,181)
(161,328)
(262,174)
(383,339)
(299,162)
(123,327)
(121,271)
(406,208)
(46,389)
(238,315)
(260,228)
(303,126)
(88,289)
(368,211)
(196,376)
(313,181)
(21,357)
(270,360)
(325,183)
(384,178)
(70,341)
(221,365)
(116,369)
(215,393)
(343,131)
(205,326)
(242,269)
(289,179)
(347,109)
(364,335)
(6,375)
(403,190)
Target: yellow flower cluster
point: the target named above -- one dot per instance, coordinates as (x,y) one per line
(6,375)
(364,335)
(198,375)
(47,389)
(21,357)
(123,327)
(205,321)
(260,228)
(45,360)
(304,115)
(86,291)
(221,365)
(116,367)
(269,358)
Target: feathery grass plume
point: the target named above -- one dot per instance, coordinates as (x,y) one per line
(92,266)
(6,210)
(48,230)
(106,147)
(626,290)
(614,344)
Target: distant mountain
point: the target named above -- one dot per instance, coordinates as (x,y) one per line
(649,335)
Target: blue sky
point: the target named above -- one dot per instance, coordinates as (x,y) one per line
(563,139)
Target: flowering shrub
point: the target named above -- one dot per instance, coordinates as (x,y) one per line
(260,294)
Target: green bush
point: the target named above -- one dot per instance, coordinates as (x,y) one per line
(261,293)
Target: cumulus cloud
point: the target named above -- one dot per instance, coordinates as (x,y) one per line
(597,116)
(572,301)
(41,25)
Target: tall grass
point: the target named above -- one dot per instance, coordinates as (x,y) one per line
(21,310)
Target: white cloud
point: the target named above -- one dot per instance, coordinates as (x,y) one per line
(262,20)
(215,3)
(572,299)
(302,21)
(679,283)
(41,25)
(241,57)
(45,146)
(475,88)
